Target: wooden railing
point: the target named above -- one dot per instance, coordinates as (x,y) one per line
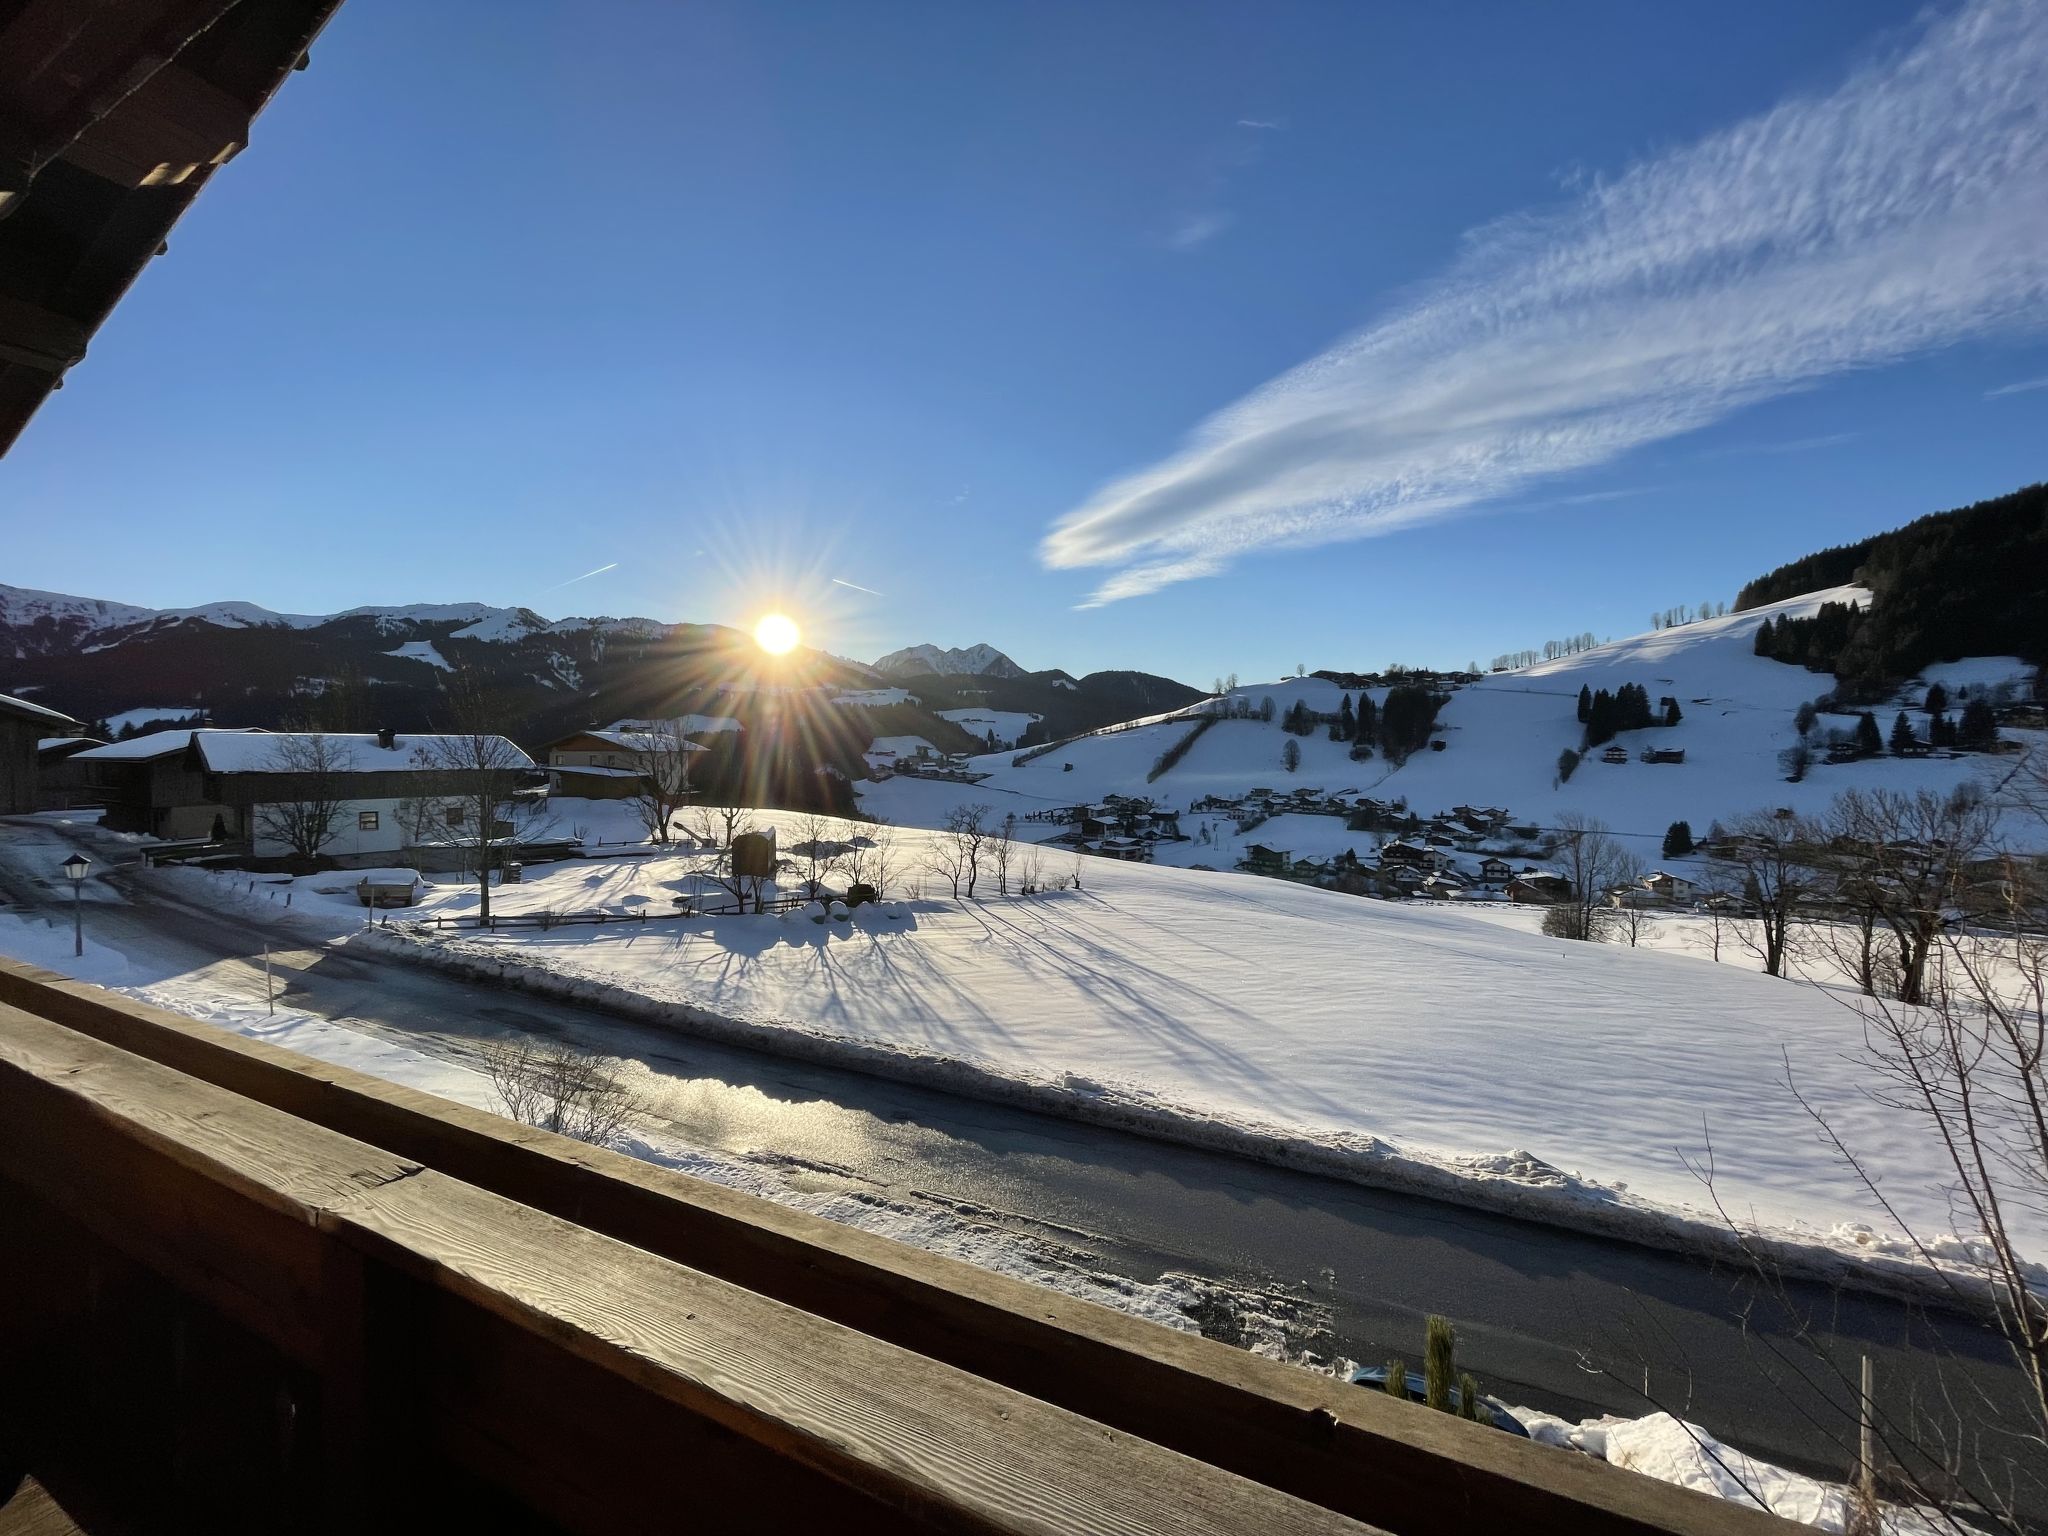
(246,1284)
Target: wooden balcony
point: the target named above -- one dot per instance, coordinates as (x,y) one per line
(241,1290)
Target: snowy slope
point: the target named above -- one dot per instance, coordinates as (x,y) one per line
(1008,724)
(1502,738)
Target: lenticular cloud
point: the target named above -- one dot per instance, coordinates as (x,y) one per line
(1904,211)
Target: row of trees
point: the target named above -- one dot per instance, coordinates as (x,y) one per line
(1816,642)
(1551,650)
(1671,618)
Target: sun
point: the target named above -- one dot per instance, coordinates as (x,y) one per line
(777,634)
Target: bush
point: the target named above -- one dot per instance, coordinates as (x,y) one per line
(1567,765)
(859,895)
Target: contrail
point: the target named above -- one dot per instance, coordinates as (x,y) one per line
(584,577)
(871,592)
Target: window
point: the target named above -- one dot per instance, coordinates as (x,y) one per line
(455,816)
(366,821)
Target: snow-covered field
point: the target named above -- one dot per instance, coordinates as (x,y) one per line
(1417,1045)
(1008,724)
(1502,738)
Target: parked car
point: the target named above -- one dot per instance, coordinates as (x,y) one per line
(1375,1377)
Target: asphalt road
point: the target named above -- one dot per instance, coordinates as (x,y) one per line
(1576,1324)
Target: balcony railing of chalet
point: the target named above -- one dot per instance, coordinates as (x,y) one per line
(242,1290)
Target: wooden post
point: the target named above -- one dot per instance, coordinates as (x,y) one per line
(269,988)
(1866,1442)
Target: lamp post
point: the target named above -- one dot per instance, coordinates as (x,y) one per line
(74,871)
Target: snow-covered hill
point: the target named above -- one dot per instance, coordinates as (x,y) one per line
(1502,737)
(982,660)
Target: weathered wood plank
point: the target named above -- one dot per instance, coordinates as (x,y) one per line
(950,1449)
(1357,1452)
(109,1135)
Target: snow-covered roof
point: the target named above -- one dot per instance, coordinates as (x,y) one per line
(49,743)
(689,725)
(138,749)
(9,705)
(641,741)
(359,752)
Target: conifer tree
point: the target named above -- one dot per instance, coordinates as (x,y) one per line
(1671,712)
(1868,742)
(1978,727)
(1936,700)
(1678,840)
(1903,742)
(1347,722)
(1766,639)
(1585,702)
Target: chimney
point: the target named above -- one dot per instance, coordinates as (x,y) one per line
(387,738)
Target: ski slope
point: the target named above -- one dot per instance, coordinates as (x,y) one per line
(1502,737)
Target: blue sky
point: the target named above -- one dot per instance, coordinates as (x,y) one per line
(1491,322)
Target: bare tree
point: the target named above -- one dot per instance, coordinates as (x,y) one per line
(661,757)
(1592,863)
(718,825)
(1631,913)
(870,859)
(1001,849)
(1766,856)
(482,770)
(554,1086)
(1904,862)
(816,852)
(313,792)
(955,854)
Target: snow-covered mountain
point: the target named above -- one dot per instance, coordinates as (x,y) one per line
(982,660)
(36,623)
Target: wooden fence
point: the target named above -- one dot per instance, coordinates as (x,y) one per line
(242,1289)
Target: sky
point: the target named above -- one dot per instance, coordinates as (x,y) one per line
(1186,337)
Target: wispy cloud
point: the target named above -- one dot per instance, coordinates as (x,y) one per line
(1198,229)
(855,586)
(1903,211)
(584,577)
(2020,388)
(1263,124)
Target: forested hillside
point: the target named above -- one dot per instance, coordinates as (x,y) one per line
(1971,582)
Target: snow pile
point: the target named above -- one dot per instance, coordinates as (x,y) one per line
(1673,1451)
(1008,724)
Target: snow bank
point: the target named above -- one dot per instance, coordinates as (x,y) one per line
(1673,1451)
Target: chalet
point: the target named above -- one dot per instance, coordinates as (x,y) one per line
(1669,886)
(1495,871)
(1404,878)
(1615,754)
(1129,849)
(1414,855)
(615,764)
(390,792)
(1444,885)
(1663,754)
(1261,860)
(373,794)
(1531,888)
(24,727)
(147,787)
(1633,896)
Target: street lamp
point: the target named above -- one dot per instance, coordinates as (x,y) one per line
(74,871)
